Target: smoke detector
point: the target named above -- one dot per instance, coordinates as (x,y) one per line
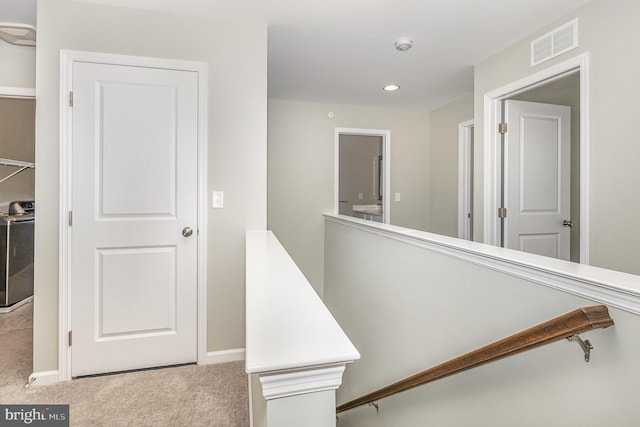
(403,44)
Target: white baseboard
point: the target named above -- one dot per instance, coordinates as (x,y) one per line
(222,356)
(38,379)
(16,305)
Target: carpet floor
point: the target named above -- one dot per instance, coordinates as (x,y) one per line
(209,395)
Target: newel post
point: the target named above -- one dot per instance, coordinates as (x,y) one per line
(296,351)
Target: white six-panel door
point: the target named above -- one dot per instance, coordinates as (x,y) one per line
(537,184)
(133,274)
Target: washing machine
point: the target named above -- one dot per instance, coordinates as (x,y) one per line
(16,255)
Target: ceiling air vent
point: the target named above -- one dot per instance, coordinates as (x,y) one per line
(556,42)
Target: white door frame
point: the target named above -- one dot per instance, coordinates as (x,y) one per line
(386,175)
(464,179)
(492,174)
(67,59)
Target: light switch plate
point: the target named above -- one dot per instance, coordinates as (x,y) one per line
(397,197)
(217,199)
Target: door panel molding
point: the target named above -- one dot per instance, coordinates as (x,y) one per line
(67,59)
(492,116)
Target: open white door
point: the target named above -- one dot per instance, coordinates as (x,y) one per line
(133,266)
(537,184)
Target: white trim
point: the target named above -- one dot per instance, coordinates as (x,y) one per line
(386,148)
(492,109)
(464,189)
(67,58)
(37,379)
(17,92)
(64,313)
(250,387)
(292,383)
(16,305)
(203,212)
(282,307)
(223,356)
(609,287)
(491,180)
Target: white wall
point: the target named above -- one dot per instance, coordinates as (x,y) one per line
(609,31)
(301,171)
(237,144)
(17,66)
(407,308)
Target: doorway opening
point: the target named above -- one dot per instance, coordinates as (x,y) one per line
(17,194)
(576,70)
(362,171)
(17,187)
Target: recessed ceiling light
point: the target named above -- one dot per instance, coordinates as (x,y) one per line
(390,88)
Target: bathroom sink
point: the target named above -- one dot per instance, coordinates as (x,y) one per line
(368,209)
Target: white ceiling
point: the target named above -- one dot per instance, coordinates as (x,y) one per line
(18,12)
(341,51)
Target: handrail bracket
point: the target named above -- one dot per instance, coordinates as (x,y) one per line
(375,405)
(584,345)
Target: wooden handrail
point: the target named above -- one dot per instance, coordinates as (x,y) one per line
(570,324)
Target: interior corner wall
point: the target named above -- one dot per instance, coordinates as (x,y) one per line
(237,106)
(443,164)
(301,172)
(608,30)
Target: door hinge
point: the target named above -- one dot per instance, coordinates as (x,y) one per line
(502,128)
(502,213)
(70,338)
(70,99)
(70,218)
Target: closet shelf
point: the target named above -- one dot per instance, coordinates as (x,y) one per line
(17,164)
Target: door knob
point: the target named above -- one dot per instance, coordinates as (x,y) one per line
(187,231)
(567,223)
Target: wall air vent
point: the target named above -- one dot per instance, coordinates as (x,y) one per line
(554,43)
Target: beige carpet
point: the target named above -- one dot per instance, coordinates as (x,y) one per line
(212,395)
